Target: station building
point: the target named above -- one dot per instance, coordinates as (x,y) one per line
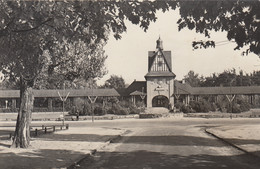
(160,89)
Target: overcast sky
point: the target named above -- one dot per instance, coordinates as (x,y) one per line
(128,57)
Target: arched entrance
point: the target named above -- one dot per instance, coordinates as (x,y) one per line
(160,101)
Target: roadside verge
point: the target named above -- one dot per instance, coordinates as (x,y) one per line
(57,150)
(245,138)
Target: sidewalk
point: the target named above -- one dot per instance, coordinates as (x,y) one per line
(57,150)
(245,137)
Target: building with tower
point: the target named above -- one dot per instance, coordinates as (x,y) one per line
(160,78)
(162,90)
(159,90)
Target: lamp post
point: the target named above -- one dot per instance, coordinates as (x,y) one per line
(63,98)
(92,99)
(232,98)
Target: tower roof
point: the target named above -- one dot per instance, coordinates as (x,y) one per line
(166,54)
(159,44)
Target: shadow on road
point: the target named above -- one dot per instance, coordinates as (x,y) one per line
(155,160)
(45,158)
(177,140)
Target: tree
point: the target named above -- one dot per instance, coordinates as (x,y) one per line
(37,35)
(115,82)
(193,79)
(240,19)
(79,70)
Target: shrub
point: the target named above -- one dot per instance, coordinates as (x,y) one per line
(118,110)
(244,105)
(99,110)
(130,107)
(122,111)
(186,109)
(81,107)
(202,106)
(234,109)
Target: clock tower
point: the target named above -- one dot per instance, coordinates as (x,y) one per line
(160,78)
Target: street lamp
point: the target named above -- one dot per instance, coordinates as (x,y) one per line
(63,98)
(232,98)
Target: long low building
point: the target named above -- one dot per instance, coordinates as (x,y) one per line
(10,98)
(159,90)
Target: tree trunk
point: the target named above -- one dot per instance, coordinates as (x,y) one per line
(22,131)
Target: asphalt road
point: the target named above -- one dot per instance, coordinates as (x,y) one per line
(169,143)
(165,143)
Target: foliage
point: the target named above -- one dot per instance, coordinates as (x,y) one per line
(99,110)
(186,109)
(240,19)
(202,106)
(76,69)
(117,109)
(131,108)
(227,78)
(115,82)
(192,78)
(80,107)
(240,105)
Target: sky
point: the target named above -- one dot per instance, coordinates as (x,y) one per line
(128,57)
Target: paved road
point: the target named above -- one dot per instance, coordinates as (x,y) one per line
(166,143)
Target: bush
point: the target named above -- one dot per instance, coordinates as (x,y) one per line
(202,106)
(81,107)
(118,110)
(186,109)
(122,111)
(244,105)
(99,110)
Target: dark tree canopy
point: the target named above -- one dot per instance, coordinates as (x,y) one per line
(29,28)
(240,19)
(115,82)
(192,78)
(226,78)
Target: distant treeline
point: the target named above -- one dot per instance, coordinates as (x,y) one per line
(226,78)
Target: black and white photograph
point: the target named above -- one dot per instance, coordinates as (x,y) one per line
(139,84)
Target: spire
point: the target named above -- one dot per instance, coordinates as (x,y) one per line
(159,43)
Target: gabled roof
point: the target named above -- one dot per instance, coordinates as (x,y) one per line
(167,57)
(136,86)
(54,93)
(180,88)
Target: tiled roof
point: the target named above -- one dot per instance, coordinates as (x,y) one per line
(54,93)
